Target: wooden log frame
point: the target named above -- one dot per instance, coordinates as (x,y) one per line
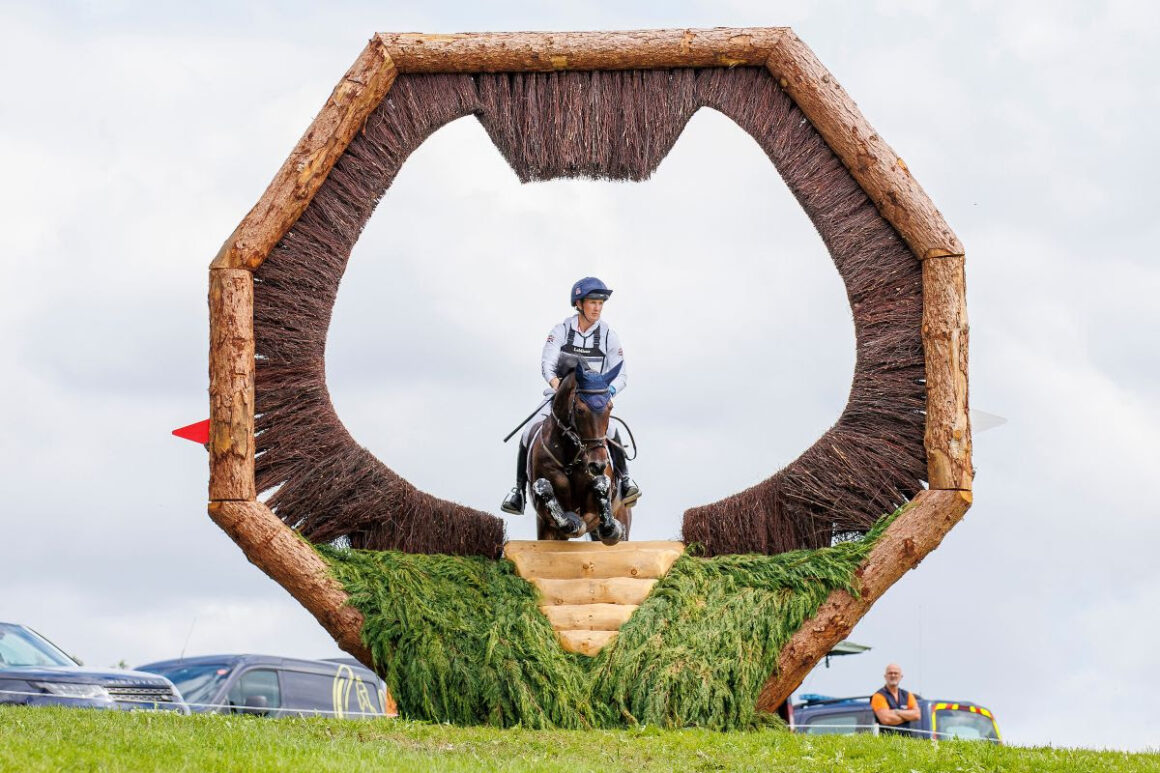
(274,548)
(231,385)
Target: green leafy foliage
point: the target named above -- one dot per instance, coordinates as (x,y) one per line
(460,638)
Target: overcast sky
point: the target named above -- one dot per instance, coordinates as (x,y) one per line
(134,137)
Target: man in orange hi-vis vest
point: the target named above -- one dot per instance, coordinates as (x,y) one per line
(895,708)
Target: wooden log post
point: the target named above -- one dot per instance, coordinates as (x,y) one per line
(549,51)
(877,168)
(278,551)
(293,187)
(915,533)
(231,385)
(945,338)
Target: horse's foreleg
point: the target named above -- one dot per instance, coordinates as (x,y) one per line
(569,523)
(609,531)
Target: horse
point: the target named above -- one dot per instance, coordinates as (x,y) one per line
(574,486)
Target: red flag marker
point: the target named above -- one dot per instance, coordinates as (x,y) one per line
(198,433)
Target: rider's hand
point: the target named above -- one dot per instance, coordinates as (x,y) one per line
(554,383)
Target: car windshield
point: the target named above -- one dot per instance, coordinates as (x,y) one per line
(952,723)
(198,684)
(21,647)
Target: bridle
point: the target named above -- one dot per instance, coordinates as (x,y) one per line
(568,429)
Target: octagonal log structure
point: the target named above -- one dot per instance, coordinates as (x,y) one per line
(885,178)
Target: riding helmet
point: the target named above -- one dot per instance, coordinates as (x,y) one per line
(588,287)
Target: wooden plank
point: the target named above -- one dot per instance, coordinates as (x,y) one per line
(586,642)
(945,339)
(514,546)
(277,550)
(594,563)
(915,533)
(358,93)
(877,168)
(231,385)
(612,590)
(608,50)
(588,617)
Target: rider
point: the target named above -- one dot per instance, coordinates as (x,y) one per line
(587,337)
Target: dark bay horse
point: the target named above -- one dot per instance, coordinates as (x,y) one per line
(573,483)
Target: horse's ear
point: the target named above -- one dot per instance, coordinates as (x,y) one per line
(568,363)
(611,375)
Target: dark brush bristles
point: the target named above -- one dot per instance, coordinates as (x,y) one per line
(327,484)
(603,125)
(873,459)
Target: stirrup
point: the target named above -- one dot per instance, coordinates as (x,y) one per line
(629,491)
(514,502)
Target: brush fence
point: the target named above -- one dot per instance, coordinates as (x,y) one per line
(904,438)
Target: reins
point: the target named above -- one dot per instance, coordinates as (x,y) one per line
(568,430)
(632,439)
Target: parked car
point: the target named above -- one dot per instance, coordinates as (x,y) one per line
(274,686)
(35,672)
(940,720)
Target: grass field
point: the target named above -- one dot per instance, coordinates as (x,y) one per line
(81,740)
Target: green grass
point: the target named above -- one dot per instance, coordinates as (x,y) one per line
(34,739)
(460,639)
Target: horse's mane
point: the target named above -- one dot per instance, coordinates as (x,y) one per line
(564,392)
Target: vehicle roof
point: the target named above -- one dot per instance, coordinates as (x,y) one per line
(250,659)
(826,702)
(847,647)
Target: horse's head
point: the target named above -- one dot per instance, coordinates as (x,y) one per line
(584,403)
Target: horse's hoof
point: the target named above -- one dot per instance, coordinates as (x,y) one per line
(611,535)
(576,526)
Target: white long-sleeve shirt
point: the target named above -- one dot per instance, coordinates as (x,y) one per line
(599,347)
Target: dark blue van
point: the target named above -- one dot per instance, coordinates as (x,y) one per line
(35,672)
(940,720)
(272,686)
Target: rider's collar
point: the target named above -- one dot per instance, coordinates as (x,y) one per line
(576,324)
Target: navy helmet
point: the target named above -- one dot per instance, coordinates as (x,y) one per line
(588,287)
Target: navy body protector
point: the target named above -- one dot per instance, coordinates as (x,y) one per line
(593,356)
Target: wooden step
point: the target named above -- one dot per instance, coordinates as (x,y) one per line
(593,561)
(588,590)
(586,642)
(611,590)
(588,617)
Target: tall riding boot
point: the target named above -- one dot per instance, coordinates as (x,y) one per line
(514,502)
(629,491)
